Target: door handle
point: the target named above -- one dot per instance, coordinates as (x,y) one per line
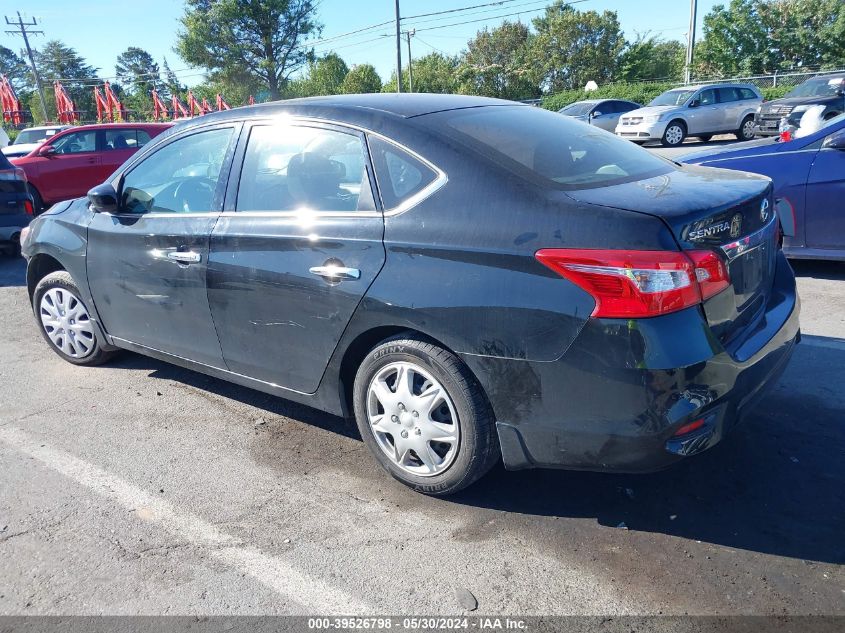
(184,257)
(335,272)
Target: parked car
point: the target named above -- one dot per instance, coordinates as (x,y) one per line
(700,111)
(603,113)
(15,206)
(827,91)
(30,139)
(468,277)
(75,160)
(809,176)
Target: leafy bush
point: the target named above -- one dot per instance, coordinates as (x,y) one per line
(775,93)
(638,92)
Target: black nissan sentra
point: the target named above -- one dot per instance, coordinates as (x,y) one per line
(471,279)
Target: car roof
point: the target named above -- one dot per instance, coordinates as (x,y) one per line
(107,126)
(38,128)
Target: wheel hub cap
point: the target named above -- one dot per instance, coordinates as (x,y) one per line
(66,323)
(413,419)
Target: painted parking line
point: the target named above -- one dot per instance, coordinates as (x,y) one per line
(291,584)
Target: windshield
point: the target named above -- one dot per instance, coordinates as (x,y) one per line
(672,97)
(819,87)
(540,145)
(33,136)
(579,108)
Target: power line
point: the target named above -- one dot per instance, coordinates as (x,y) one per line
(492,17)
(22,31)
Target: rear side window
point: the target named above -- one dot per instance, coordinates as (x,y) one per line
(726,95)
(556,150)
(400,175)
(290,167)
(747,93)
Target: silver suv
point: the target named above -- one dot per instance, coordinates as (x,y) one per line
(700,111)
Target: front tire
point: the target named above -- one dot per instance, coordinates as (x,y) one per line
(65,322)
(675,134)
(746,129)
(424,417)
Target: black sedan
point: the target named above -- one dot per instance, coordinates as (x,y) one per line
(471,279)
(15,206)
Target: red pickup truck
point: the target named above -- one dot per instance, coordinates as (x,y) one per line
(70,163)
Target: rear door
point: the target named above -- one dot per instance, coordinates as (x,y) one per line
(147,264)
(295,251)
(824,210)
(118,146)
(732,107)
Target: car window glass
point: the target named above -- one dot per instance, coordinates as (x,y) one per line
(542,145)
(707,97)
(726,95)
(143,137)
(292,167)
(747,93)
(605,107)
(76,143)
(400,175)
(181,177)
(121,139)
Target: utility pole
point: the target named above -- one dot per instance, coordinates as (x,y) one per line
(408,34)
(693,8)
(398,52)
(21,30)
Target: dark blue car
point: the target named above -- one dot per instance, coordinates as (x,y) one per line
(809,177)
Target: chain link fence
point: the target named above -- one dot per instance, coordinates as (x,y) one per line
(775,80)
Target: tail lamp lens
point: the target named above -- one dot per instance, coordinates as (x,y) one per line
(636,284)
(27,206)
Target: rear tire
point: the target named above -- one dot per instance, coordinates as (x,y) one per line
(746,129)
(399,422)
(675,134)
(65,322)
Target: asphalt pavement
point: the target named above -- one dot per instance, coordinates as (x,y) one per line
(143,488)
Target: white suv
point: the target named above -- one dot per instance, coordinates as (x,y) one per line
(700,111)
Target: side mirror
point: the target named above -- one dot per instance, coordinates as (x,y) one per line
(595,114)
(103,199)
(837,141)
(46,151)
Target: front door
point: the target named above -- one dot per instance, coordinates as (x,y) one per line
(293,255)
(147,264)
(824,209)
(72,168)
(708,116)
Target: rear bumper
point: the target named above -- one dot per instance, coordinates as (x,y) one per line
(615,399)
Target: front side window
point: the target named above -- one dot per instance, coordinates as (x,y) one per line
(707,97)
(181,177)
(290,167)
(541,145)
(400,175)
(747,93)
(76,143)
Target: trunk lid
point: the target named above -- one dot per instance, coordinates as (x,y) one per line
(729,212)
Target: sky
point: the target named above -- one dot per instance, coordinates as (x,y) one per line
(101,29)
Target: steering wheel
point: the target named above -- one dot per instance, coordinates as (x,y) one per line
(195,194)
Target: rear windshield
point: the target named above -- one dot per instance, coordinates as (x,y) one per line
(547,147)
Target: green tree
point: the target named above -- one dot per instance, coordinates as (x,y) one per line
(16,69)
(137,71)
(764,36)
(55,61)
(573,47)
(172,85)
(651,58)
(497,63)
(434,72)
(261,39)
(361,78)
(324,77)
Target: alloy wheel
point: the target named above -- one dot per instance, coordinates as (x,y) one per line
(67,323)
(413,419)
(748,129)
(674,134)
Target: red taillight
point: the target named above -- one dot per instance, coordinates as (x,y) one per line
(689,427)
(27,206)
(16,173)
(637,284)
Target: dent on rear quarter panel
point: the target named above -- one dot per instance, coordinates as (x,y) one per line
(460,266)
